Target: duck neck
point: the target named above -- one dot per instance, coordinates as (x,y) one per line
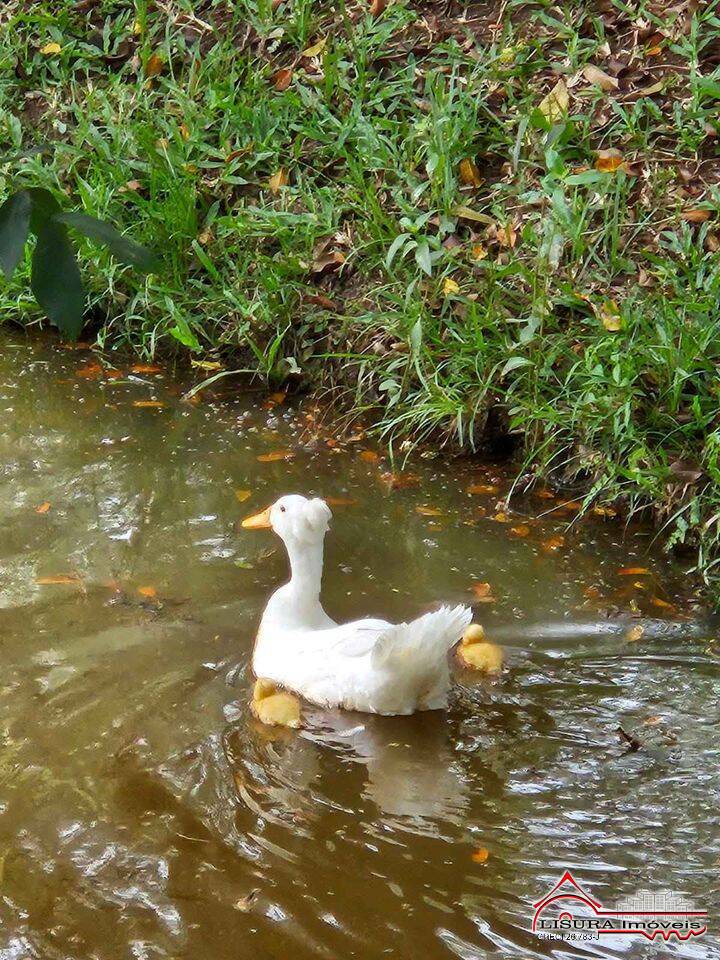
(306,566)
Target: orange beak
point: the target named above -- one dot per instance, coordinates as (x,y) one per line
(258,521)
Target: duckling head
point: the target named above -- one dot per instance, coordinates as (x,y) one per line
(293,518)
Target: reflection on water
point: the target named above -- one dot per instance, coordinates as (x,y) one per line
(143,813)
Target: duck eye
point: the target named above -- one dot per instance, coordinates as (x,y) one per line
(282,509)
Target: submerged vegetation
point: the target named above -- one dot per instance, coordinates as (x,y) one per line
(493,221)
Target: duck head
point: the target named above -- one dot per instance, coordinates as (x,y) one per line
(294,519)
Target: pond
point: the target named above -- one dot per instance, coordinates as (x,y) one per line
(144,813)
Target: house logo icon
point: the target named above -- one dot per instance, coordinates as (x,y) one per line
(568,912)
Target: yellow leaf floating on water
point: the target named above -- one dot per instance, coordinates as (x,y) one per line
(481,855)
(482,488)
(522,531)
(553,543)
(483,592)
(43,508)
(50,48)
(340,501)
(428,511)
(60,578)
(149,592)
(315,49)
(275,455)
(146,368)
(555,105)
(278,180)
(634,634)
(633,571)
(242,495)
(369,456)
(663,604)
(152,404)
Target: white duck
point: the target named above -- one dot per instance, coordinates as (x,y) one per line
(367,665)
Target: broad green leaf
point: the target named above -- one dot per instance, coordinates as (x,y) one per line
(14,227)
(422,258)
(44,207)
(514,363)
(56,279)
(123,249)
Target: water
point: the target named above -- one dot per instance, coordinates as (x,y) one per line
(143,813)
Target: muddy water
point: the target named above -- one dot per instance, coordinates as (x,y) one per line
(144,814)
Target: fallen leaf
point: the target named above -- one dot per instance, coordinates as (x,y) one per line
(609,315)
(370,456)
(663,604)
(149,592)
(685,472)
(501,517)
(154,65)
(632,571)
(275,455)
(91,372)
(278,180)
(652,721)
(450,286)
(483,592)
(341,501)
(242,495)
(553,543)
(43,508)
(469,173)
(634,634)
(479,252)
(555,105)
(206,365)
(482,488)
(428,511)
(481,855)
(145,368)
(522,531)
(601,511)
(377,7)
(599,78)
(506,235)
(279,396)
(315,49)
(467,213)
(60,578)
(155,404)
(608,161)
(50,48)
(399,480)
(282,79)
(699,215)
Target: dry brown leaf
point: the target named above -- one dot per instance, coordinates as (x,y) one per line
(553,543)
(481,855)
(370,456)
(153,404)
(149,592)
(479,252)
(278,180)
(662,604)
(428,511)
(377,7)
(699,215)
(242,495)
(43,508)
(632,571)
(652,721)
(599,78)
(282,79)
(522,531)
(275,455)
(555,105)
(400,481)
(634,634)
(469,173)
(506,235)
(154,65)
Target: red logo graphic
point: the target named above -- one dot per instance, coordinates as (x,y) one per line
(568,912)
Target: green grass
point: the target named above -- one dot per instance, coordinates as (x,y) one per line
(365,271)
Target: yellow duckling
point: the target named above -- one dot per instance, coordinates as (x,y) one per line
(476,653)
(274,707)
